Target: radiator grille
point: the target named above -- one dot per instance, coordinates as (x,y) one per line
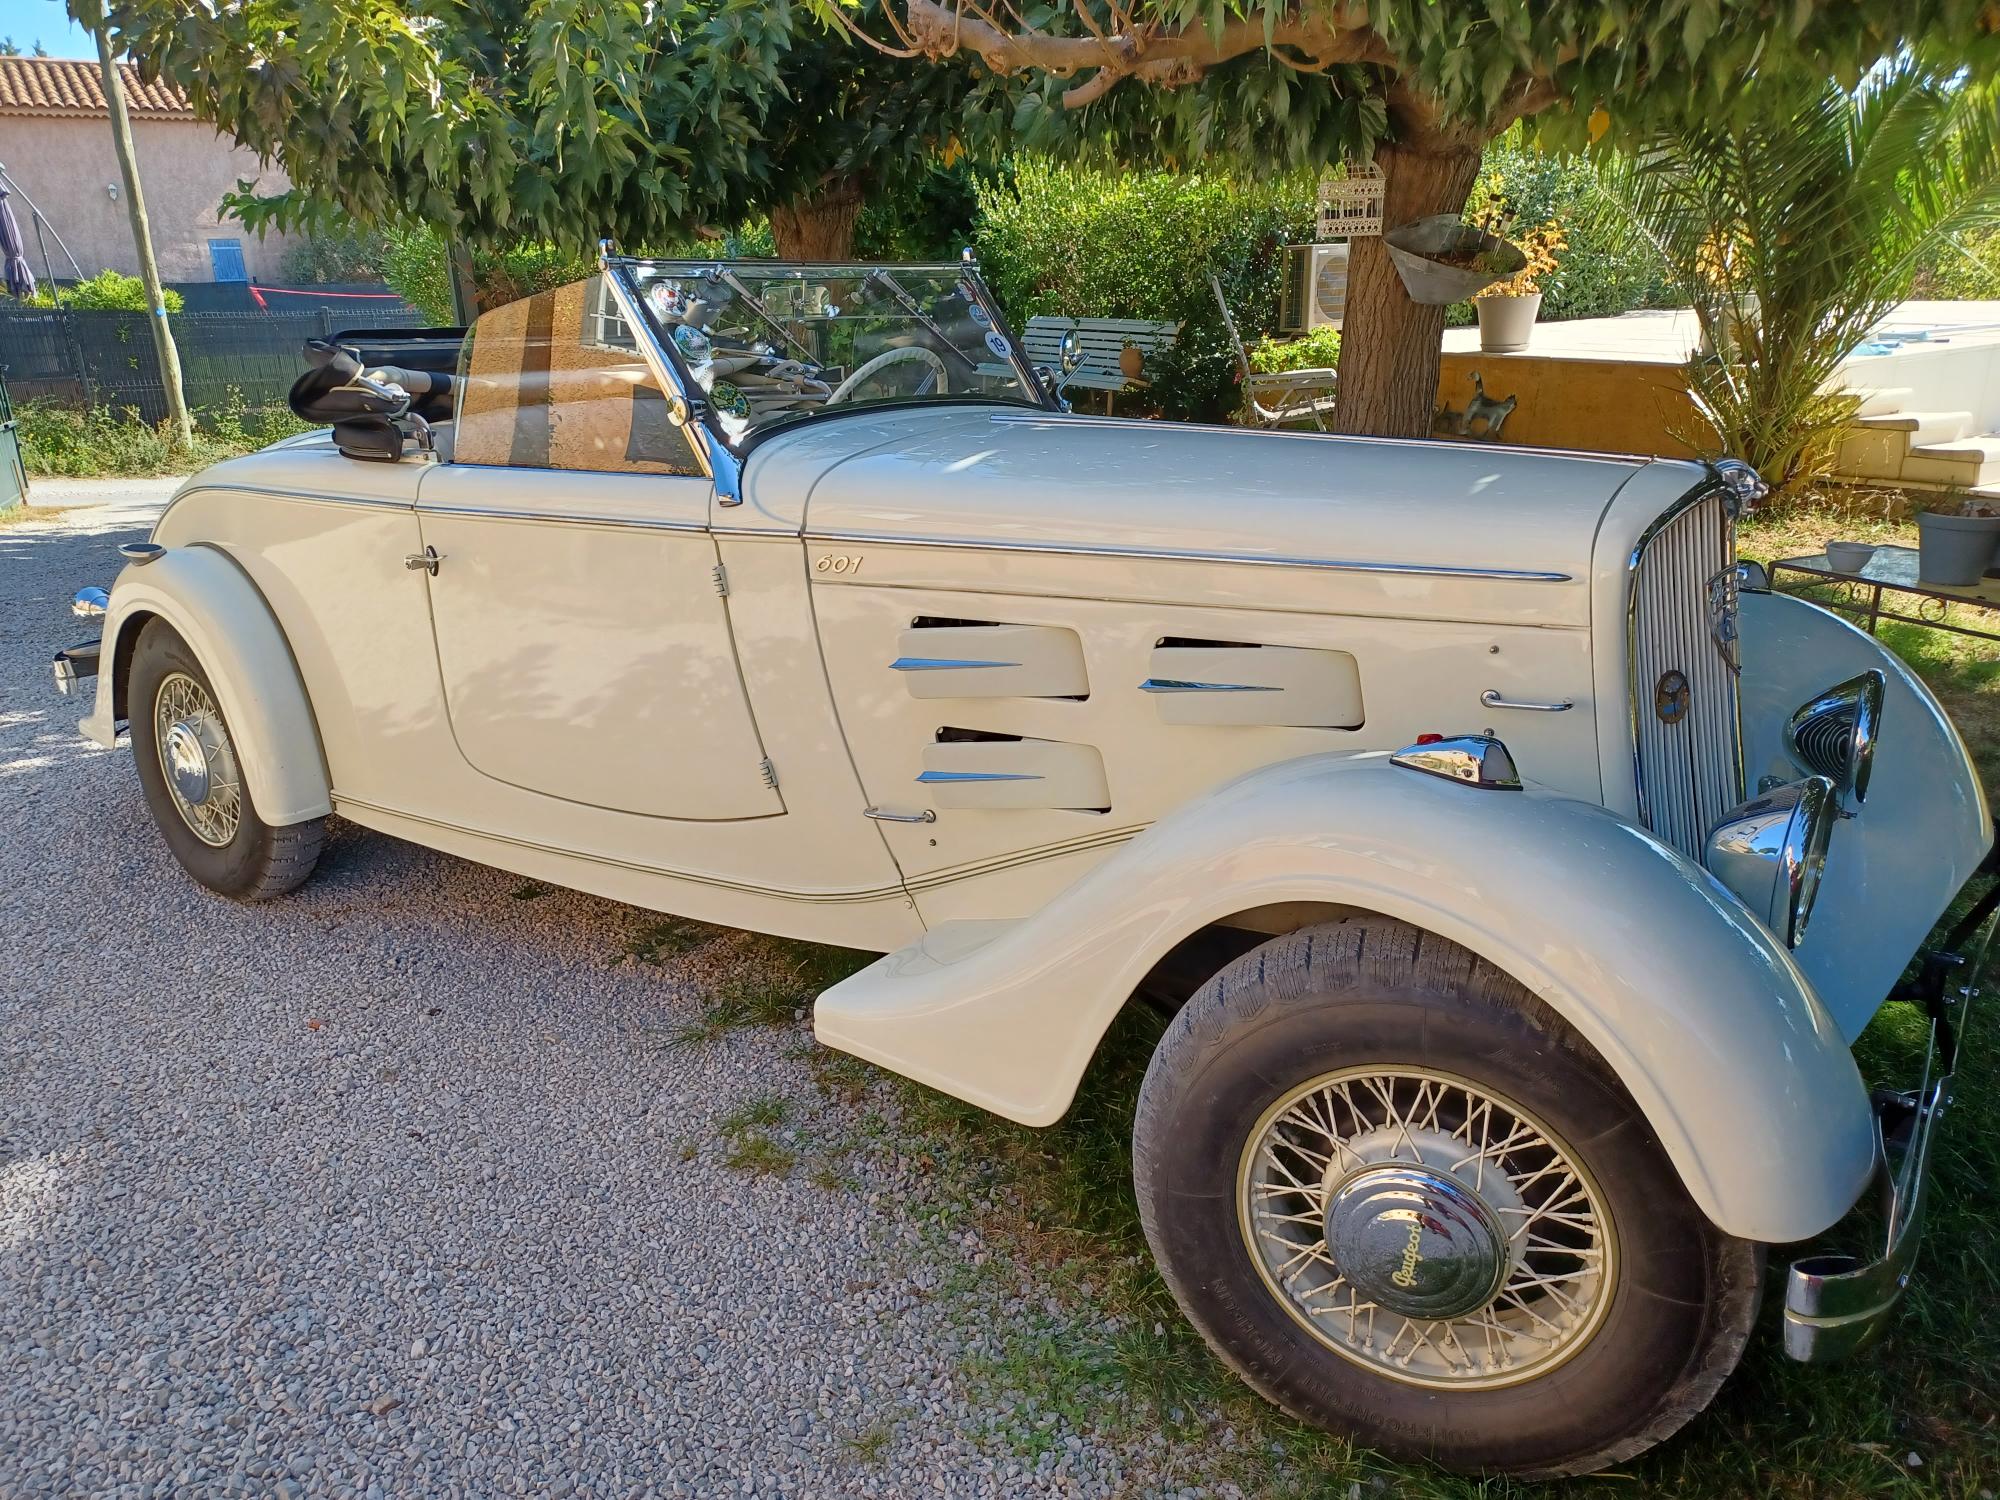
(1686,731)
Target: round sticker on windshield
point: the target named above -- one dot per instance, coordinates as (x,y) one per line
(977,314)
(997,343)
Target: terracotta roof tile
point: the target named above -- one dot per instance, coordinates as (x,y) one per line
(67,86)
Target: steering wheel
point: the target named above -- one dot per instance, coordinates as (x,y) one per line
(882,361)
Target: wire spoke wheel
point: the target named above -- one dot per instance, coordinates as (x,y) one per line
(197,760)
(1426,1228)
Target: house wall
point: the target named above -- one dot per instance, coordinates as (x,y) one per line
(65,163)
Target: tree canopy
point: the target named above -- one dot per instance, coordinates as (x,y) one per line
(1419,85)
(1410,67)
(556,120)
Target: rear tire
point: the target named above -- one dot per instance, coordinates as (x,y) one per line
(192,778)
(1317,1175)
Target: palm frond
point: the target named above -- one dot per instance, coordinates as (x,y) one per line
(1793,232)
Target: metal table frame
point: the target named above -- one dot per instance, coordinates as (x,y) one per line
(1892,571)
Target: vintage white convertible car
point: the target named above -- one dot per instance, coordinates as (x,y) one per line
(1521,868)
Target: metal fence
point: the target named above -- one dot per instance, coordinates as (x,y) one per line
(86,359)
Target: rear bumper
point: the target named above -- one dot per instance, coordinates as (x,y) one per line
(1836,1305)
(75,666)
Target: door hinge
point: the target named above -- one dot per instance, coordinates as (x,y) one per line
(770,773)
(721,581)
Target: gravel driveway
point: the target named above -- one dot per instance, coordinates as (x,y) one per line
(389,1189)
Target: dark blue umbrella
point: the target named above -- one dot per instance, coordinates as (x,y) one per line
(13,261)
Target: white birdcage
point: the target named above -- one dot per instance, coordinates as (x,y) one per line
(1351,204)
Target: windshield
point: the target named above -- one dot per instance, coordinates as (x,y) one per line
(772,343)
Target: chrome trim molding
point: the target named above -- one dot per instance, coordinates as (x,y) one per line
(310,497)
(141,553)
(1492,699)
(1475,759)
(943,664)
(1175,685)
(1174,554)
(935,777)
(565,518)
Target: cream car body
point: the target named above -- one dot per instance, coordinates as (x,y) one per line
(1027,701)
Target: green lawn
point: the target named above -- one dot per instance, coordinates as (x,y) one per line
(1919,1416)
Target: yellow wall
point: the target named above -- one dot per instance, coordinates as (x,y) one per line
(1596,404)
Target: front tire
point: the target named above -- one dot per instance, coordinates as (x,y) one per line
(1406,1203)
(193,780)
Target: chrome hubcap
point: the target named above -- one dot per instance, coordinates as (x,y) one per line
(1416,1242)
(1425,1228)
(187,763)
(197,760)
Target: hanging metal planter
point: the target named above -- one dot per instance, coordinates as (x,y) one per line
(1443,259)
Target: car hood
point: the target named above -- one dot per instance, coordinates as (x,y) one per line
(973,476)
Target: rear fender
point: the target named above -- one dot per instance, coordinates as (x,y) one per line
(1702,1016)
(211,602)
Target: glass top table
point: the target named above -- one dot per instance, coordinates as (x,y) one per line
(1888,586)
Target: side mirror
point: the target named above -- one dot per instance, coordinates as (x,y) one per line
(1070,352)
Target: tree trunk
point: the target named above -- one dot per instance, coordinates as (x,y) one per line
(142,240)
(818,225)
(1389,345)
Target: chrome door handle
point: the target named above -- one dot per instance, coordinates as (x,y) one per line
(426,560)
(1492,699)
(880,815)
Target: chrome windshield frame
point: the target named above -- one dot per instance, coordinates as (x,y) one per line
(725,459)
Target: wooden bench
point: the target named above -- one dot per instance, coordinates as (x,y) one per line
(1103,340)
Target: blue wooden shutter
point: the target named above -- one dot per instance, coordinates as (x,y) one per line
(225,258)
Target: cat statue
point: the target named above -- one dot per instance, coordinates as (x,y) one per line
(1483,408)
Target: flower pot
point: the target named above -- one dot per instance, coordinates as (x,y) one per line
(1955,551)
(1423,249)
(1507,323)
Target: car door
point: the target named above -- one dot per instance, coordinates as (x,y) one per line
(582,637)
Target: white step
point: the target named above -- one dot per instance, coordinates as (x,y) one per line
(1982,449)
(1879,403)
(1967,461)
(1922,426)
(1987,492)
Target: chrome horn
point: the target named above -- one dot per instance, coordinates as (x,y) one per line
(1833,734)
(1771,852)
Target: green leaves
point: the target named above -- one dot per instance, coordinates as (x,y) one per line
(553,121)
(1791,232)
(1080,241)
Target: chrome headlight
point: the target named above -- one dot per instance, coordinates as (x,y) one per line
(1834,734)
(1771,852)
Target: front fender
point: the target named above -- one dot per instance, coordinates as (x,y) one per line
(202,593)
(1701,1014)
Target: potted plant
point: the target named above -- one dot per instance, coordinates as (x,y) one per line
(1955,547)
(1441,259)
(1508,308)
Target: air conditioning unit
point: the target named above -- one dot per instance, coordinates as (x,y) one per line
(1314,291)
